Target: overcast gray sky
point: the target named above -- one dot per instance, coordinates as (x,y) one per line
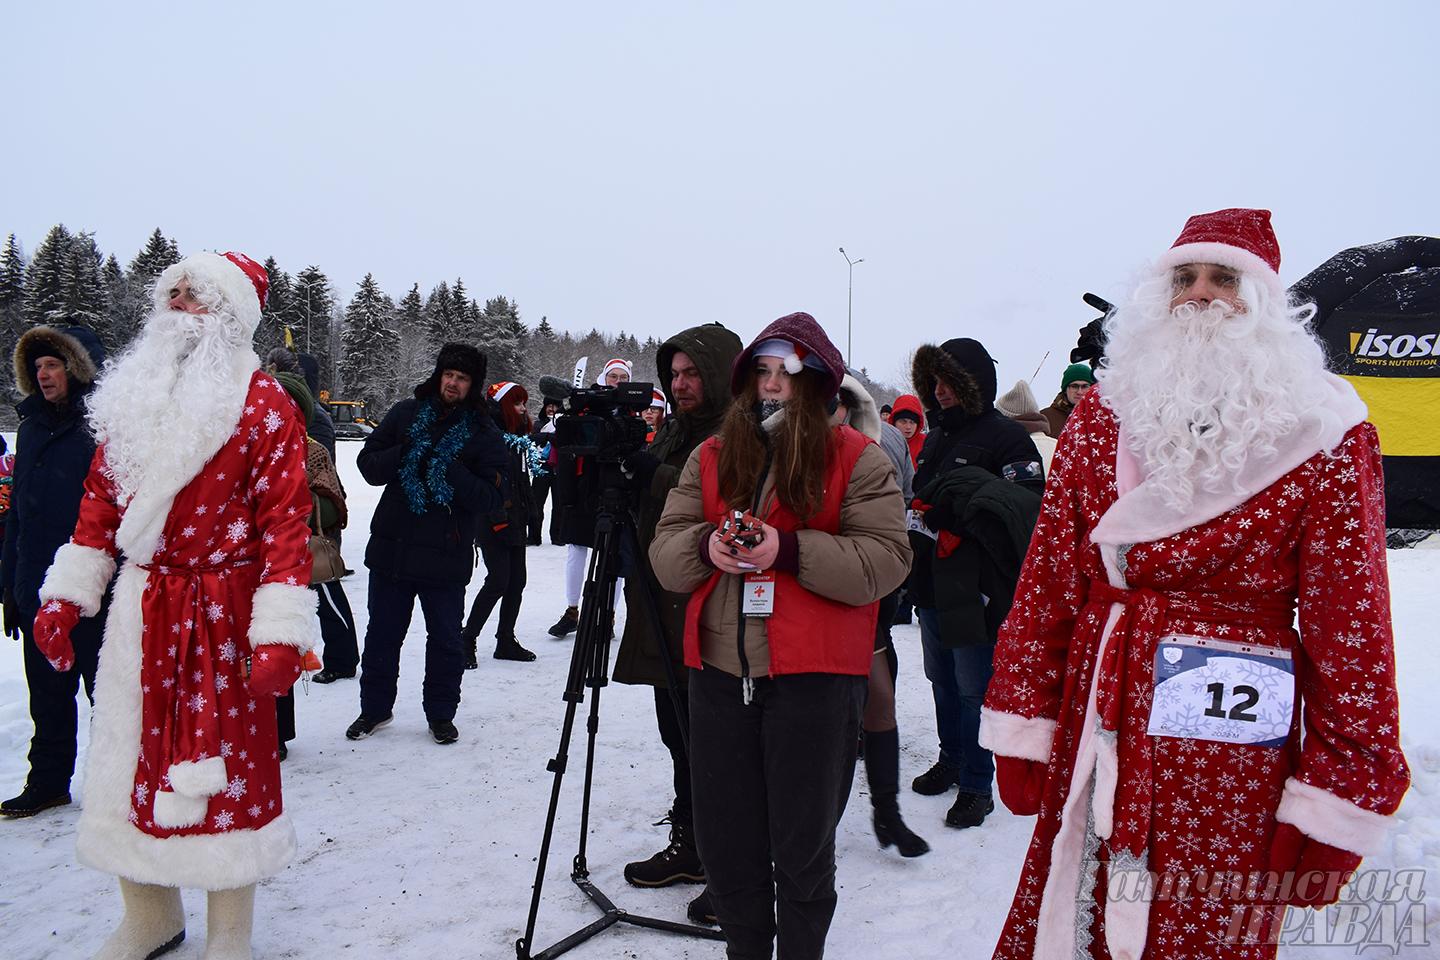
(647,166)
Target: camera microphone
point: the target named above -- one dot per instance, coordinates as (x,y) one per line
(555,388)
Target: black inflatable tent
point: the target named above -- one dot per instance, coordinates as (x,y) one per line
(1378,314)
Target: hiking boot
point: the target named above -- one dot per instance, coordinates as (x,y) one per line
(508,648)
(32,801)
(936,780)
(700,910)
(969,810)
(330,676)
(444,731)
(677,863)
(364,726)
(568,623)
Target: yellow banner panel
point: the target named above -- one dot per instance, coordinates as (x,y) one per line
(1405,411)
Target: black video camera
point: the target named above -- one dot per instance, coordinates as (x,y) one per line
(604,422)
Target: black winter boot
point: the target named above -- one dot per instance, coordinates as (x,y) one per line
(969,810)
(936,780)
(700,910)
(882,773)
(568,623)
(677,863)
(508,648)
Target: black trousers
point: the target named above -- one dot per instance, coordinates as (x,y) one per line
(681,811)
(771,780)
(539,490)
(504,582)
(52,704)
(337,628)
(392,602)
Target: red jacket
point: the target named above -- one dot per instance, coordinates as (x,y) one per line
(808,633)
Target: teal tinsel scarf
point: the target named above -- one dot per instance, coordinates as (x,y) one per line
(423,468)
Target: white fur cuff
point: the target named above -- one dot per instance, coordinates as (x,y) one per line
(284,613)
(175,810)
(1330,819)
(79,575)
(1011,735)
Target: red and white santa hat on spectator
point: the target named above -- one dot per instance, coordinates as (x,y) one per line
(1239,238)
(498,391)
(657,399)
(615,364)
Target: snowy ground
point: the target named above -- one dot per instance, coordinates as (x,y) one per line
(408,849)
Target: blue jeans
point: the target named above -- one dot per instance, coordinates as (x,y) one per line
(958,677)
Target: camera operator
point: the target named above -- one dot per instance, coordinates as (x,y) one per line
(694,377)
(575,514)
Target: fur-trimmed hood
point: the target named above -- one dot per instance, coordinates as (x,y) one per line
(78,346)
(958,363)
(864,415)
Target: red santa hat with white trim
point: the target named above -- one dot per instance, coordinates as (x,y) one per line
(615,364)
(1239,238)
(229,284)
(657,399)
(498,391)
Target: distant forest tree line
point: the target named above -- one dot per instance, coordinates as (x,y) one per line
(372,348)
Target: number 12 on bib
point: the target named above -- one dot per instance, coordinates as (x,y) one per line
(1208,689)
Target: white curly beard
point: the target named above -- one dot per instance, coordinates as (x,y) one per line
(1199,391)
(166,405)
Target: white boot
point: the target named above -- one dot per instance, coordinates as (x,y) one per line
(154,923)
(228,922)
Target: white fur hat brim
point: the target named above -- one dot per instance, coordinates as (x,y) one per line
(218,283)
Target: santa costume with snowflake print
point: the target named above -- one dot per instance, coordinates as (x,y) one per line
(199,483)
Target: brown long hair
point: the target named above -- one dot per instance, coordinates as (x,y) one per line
(799,448)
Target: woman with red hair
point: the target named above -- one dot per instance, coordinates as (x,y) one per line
(502,534)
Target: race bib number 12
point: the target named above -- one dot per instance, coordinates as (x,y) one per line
(1221,690)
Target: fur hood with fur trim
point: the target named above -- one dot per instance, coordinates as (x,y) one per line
(864,415)
(77,346)
(932,364)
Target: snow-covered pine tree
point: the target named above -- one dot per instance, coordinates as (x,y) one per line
(117,291)
(497,336)
(440,319)
(86,301)
(464,320)
(12,293)
(413,358)
(279,304)
(313,303)
(368,342)
(45,276)
(129,312)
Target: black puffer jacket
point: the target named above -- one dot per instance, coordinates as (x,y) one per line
(970,434)
(509,523)
(713,349)
(438,545)
(53,450)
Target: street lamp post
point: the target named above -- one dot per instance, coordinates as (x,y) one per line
(849,304)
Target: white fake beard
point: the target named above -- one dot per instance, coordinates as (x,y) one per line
(1199,391)
(167,404)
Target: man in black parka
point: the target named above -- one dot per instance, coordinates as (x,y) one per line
(973,456)
(694,374)
(442,463)
(54,370)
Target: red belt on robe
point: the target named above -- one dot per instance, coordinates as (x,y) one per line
(183,728)
(1143,620)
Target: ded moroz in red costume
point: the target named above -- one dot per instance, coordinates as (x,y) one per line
(1117,585)
(208,507)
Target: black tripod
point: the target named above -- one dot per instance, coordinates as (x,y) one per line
(589,667)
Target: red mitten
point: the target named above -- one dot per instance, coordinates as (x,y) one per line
(1319,870)
(52,632)
(274,668)
(1022,784)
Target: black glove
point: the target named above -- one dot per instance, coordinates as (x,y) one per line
(12,615)
(941,516)
(641,466)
